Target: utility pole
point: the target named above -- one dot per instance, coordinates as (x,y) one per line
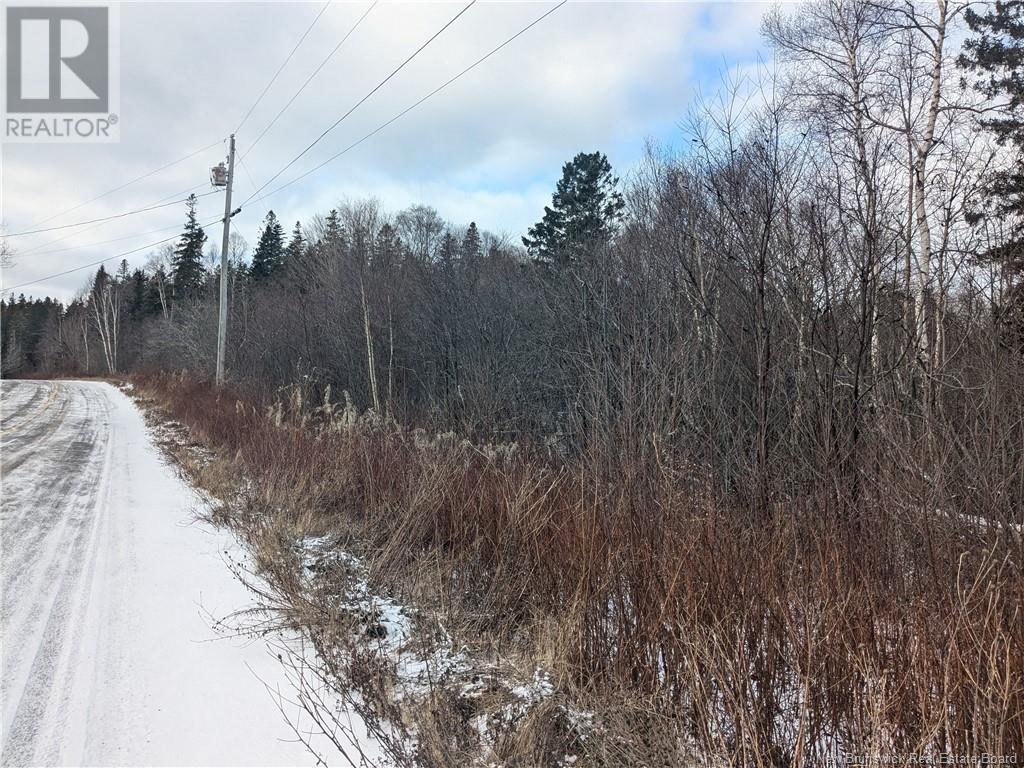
(222,324)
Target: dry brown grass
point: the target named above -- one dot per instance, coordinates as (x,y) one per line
(686,625)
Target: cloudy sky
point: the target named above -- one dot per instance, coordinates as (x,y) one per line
(489,148)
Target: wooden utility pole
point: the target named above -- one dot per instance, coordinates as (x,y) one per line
(222,324)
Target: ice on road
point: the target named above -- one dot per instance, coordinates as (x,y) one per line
(109,586)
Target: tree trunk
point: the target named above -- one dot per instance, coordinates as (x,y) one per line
(370,362)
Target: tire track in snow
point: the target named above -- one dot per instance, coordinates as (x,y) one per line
(24,442)
(38,396)
(41,508)
(108,589)
(54,624)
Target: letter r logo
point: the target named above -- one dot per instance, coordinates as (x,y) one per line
(58,59)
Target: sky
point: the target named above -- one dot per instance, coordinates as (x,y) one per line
(488,148)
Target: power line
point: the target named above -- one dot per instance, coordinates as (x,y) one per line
(105,242)
(80,267)
(241,162)
(39,230)
(376,88)
(107,218)
(408,109)
(283,65)
(127,183)
(185,192)
(310,78)
(180,159)
(64,238)
(381,127)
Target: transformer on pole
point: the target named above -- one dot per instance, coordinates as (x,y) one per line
(223,177)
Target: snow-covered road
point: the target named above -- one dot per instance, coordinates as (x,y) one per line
(109,586)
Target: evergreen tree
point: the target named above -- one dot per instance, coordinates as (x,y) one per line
(448,253)
(23,326)
(585,211)
(386,247)
(334,229)
(333,241)
(296,246)
(471,246)
(137,304)
(996,56)
(100,281)
(187,271)
(269,254)
(155,284)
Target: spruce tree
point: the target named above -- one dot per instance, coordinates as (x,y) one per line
(585,212)
(269,254)
(100,281)
(386,247)
(187,271)
(471,246)
(334,229)
(154,286)
(296,246)
(137,295)
(333,241)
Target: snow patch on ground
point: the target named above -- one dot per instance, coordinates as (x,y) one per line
(420,665)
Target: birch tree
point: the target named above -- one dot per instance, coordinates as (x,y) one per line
(105,303)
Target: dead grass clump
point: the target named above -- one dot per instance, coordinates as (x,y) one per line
(874,625)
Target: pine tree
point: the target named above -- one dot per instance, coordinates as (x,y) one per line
(187,271)
(585,212)
(996,55)
(269,254)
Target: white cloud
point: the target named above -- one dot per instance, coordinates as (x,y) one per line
(489,148)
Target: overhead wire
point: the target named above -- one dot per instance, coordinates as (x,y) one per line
(36,249)
(126,184)
(309,79)
(176,226)
(413,106)
(100,261)
(121,215)
(256,194)
(355,106)
(245,168)
(283,65)
(35,229)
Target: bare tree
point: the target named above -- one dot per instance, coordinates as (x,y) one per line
(105,303)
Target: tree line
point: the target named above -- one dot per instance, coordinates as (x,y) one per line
(833,264)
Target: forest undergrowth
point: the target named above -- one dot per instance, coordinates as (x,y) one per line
(668,624)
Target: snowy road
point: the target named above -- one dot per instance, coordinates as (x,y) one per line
(108,656)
